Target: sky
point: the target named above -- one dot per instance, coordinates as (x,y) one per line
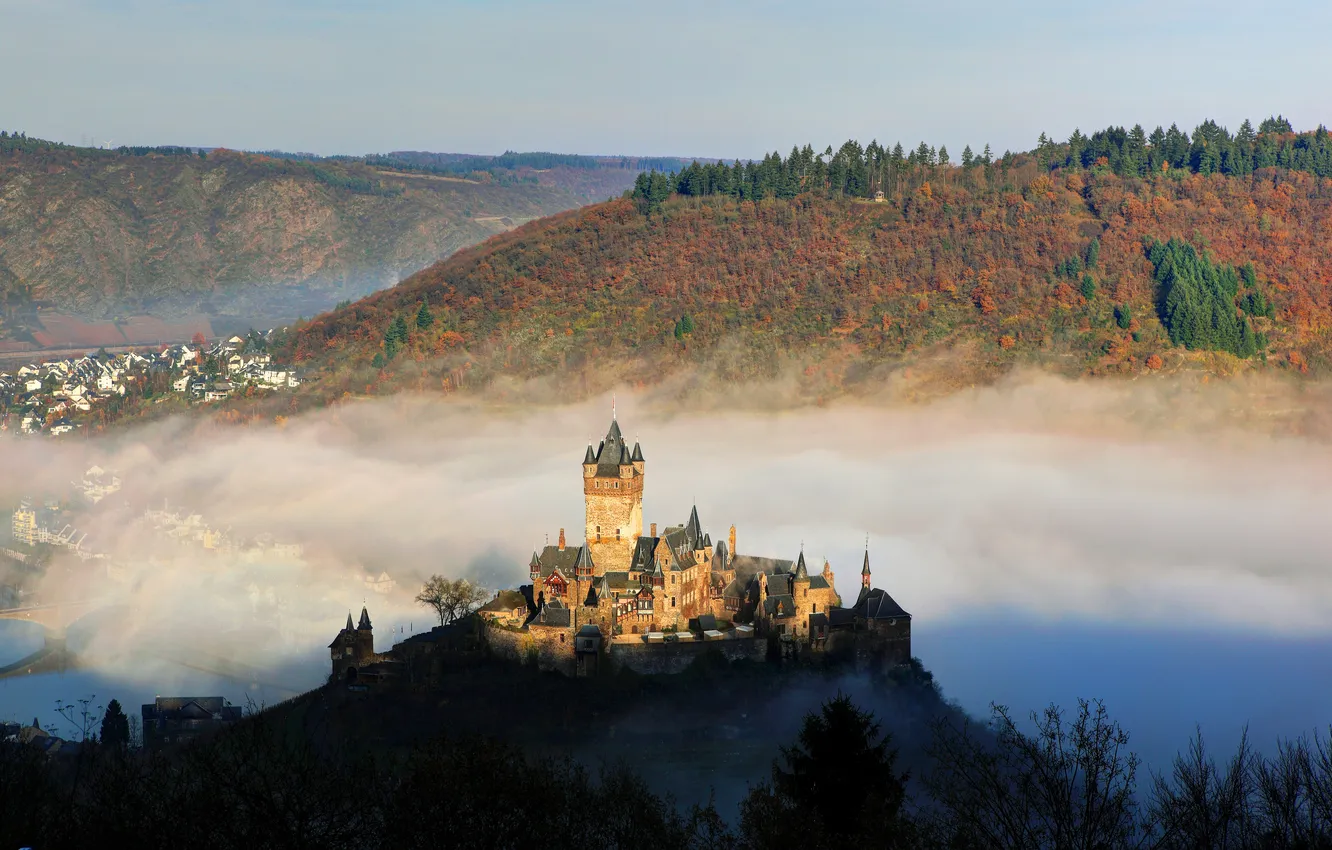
(687,78)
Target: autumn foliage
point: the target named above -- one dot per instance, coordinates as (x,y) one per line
(1012,262)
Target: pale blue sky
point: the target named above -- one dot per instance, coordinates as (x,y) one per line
(691,78)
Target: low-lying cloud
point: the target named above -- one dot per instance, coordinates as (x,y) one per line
(1153,503)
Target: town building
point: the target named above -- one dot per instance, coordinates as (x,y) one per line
(168,721)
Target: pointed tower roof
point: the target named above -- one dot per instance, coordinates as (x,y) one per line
(350,627)
(694,529)
(866,570)
(801,572)
(612,452)
(365,619)
(536,560)
(584,558)
(638,453)
(591,456)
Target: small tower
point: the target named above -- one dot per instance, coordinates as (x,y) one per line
(865,572)
(800,582)
(731,548)
(365,637)
(827,572)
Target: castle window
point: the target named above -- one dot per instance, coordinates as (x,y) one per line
(617,534)
(561,638)
(672,601)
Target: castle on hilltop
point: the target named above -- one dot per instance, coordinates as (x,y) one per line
(654,600)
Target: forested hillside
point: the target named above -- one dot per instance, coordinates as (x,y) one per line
(970,269)
(107,232)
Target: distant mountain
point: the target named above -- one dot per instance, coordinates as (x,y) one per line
(1098,256)
(178,231)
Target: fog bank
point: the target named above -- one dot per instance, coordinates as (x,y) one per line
(1161,504)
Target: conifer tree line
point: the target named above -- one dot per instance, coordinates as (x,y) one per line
(851,170)
(1211,149)
(861,172)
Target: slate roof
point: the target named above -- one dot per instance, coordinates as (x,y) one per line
(552,616)
(734,590)
(616,580)
(818,583)
(818,621)
(780,605)
(748,566)
(876,604)
(612,453)
(565,560)
(506,600)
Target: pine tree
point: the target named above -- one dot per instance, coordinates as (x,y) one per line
(115,726)
(1088,287)
(424,318)
(968,158)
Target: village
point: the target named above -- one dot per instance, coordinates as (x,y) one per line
(57,397)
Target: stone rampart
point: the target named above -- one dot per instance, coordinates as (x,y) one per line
(538,644)
(675,657)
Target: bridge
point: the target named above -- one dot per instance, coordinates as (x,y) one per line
(54,618)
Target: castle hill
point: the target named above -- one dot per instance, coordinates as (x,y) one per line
(649,602)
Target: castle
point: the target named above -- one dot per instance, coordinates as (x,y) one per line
(619,590)
(625,582)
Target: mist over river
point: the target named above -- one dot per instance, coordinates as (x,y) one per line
(1051,540)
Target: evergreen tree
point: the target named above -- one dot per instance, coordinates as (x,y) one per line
(1123,316)
(424,318)
(1088,287)
(115,726)
(837,785)
(1093,253)
(968,158)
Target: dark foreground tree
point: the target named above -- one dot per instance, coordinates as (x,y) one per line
(115,726)
(837,784)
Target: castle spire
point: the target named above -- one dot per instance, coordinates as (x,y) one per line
(865,571)
(801,572)
(365,619)
(350,627)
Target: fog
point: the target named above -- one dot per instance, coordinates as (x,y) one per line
(1150,506)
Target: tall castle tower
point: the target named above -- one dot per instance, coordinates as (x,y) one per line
(613,493)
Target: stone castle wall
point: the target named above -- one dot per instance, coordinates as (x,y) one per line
(539,643)
(670,658)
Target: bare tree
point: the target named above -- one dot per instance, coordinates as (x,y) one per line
(1066,786)
(451,599)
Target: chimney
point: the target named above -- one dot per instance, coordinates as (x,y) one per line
(561,540)
(653,531)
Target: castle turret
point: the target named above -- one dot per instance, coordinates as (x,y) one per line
(731,547)
(365,637)
(865,573)
(613,495)
(800,581)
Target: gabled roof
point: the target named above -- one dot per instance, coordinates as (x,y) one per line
(876,604)
(779,606)
(644,553)
(552,557)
